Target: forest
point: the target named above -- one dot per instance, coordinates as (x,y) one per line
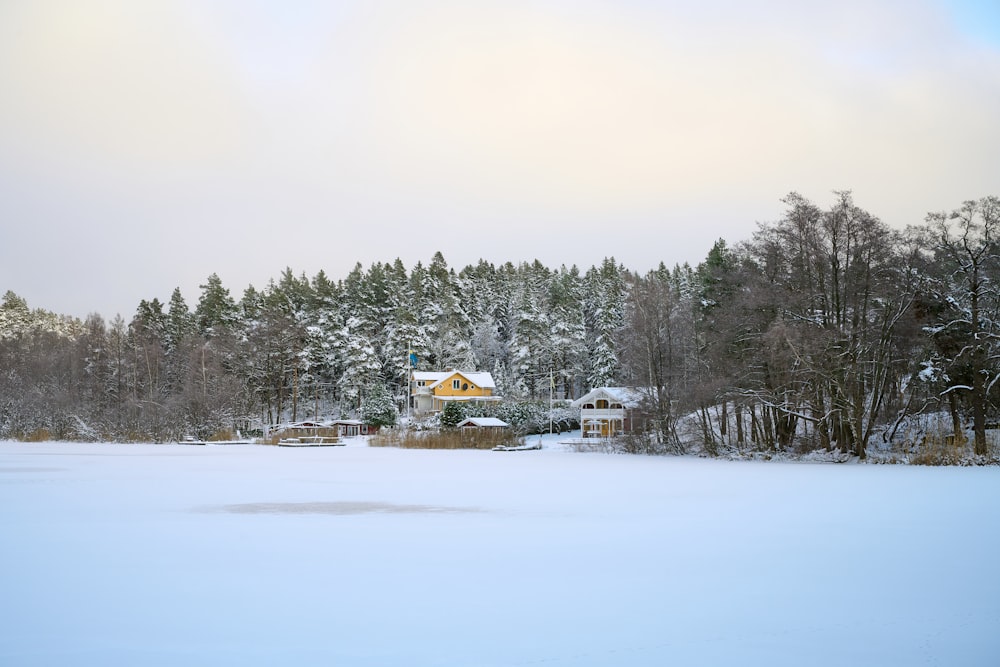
(825,330)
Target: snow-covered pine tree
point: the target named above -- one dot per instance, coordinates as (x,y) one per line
(180,321)
(480,289)
(358,361)
(568,333)
(604,312)
(378,408)
(531,348)
(401,334)
(216,308)
(452,414)
(15,317)
(179,331)
(446,324)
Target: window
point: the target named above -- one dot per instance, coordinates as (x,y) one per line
(456,384)
(602,404)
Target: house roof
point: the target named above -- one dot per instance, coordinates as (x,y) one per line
(630,397)
(473,399)
(484,422)
(305,424)
(478,378)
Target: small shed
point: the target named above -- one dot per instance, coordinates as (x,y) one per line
(348,428)
(483,424)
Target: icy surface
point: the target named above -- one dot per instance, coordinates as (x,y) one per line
(252,555)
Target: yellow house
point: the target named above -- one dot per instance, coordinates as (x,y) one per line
(430,390)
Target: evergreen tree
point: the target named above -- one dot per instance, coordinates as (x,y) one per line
(180,322)
(445,322)
(531,349)
(378,408)
(216,308)
(604,304)
(452,414)
(358,360)
(568,335)
(401,331)
(146,332)
(15,317)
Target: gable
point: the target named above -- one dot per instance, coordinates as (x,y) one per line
(478,380)
(456,384)
(629,397)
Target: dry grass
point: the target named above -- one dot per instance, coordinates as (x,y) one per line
(942,450)
(222,435)
(38,435)
(443,439)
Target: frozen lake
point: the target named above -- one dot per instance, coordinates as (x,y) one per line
(252,555)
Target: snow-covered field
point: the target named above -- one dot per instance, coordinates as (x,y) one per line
(252,555)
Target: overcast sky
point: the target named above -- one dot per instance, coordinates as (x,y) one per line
(146,145)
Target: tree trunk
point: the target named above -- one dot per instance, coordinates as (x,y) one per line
(979,413)
(738,409)
(708,433)
(956,421)
(767,426)
(295,393)
(978,366)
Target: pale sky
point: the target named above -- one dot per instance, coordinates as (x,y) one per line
(145,145)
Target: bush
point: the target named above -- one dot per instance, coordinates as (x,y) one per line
(640,442)
(524,417)
(452,415)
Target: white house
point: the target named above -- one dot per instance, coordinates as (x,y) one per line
(608,411)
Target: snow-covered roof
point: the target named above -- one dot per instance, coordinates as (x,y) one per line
(434,378)
(304,424)
(630,397)
(484,422)
(469,399)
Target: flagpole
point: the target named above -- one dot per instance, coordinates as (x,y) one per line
(409,379)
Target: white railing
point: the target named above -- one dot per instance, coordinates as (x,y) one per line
(615,413)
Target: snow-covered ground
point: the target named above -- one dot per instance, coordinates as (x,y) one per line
(253,555)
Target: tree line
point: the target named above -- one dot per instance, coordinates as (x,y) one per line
(825,330)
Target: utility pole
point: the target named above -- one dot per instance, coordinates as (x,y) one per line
(409,379)
(552,387)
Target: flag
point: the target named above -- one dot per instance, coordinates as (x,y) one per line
(413,359)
